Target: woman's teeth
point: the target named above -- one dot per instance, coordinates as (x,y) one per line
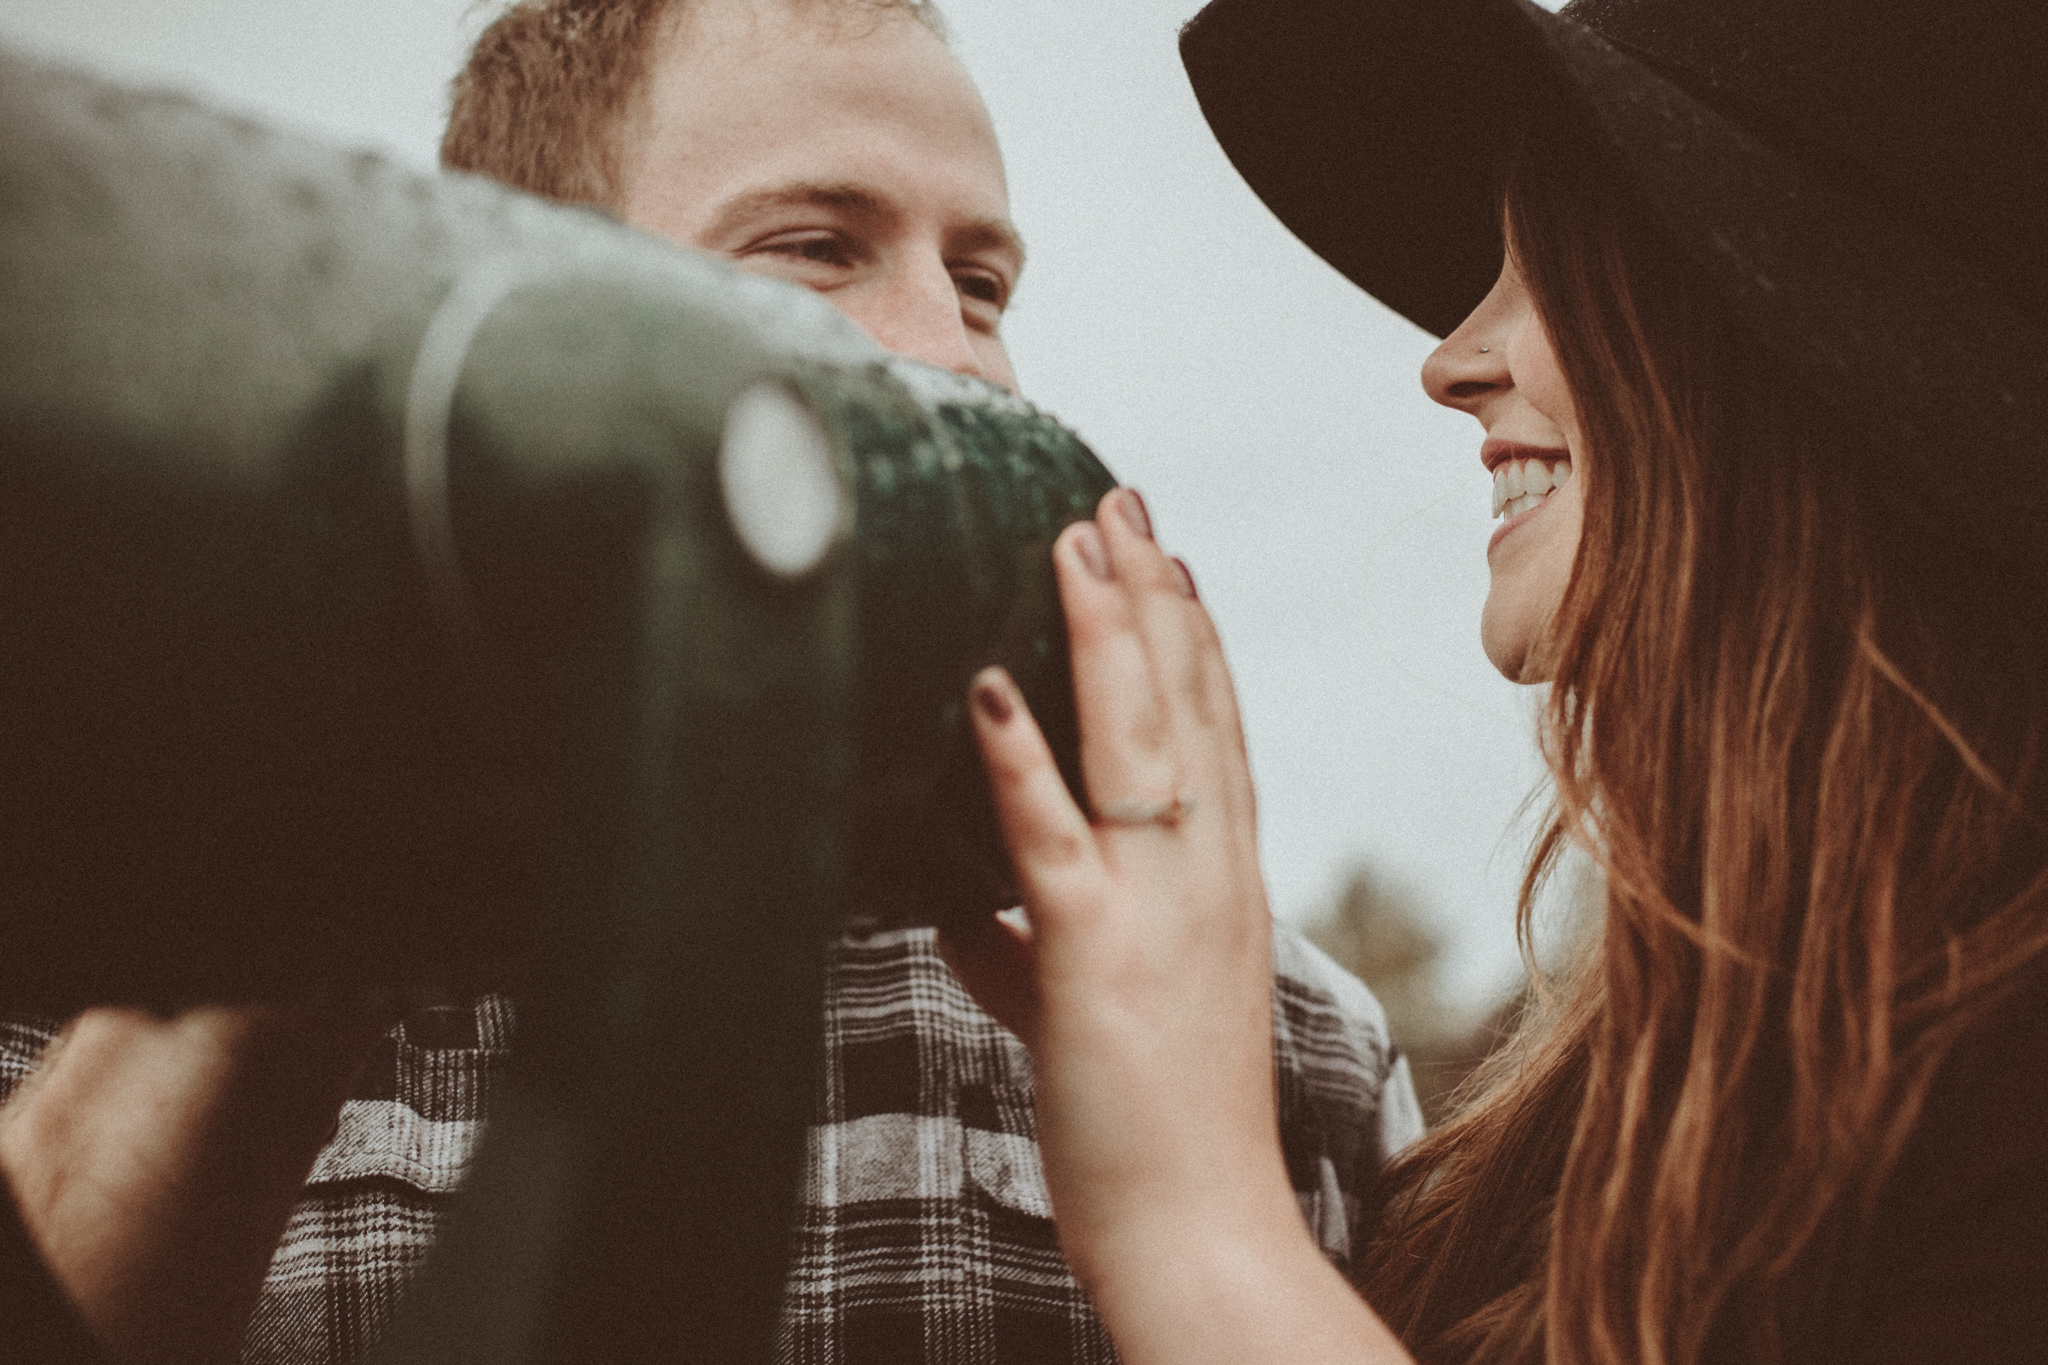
(1519,485)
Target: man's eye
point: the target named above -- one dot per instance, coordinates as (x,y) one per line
(823,249)
(981,287)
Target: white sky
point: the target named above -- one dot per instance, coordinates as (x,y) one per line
(1336,520)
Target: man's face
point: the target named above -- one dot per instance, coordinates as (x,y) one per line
(840,148)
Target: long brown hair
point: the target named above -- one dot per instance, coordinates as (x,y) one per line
(1799,725)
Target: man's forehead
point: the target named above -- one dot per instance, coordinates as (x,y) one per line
(693,25)
(751,109)
(729,66)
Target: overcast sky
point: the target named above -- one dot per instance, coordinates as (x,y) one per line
(1335,519)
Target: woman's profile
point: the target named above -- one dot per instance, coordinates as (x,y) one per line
(1751,302)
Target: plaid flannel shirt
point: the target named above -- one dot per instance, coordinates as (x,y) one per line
(924,1231)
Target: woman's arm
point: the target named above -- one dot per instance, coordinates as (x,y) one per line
(1142,982)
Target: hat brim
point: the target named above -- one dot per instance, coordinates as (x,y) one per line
(1376,131)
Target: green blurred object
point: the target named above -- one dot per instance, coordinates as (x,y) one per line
(389,610)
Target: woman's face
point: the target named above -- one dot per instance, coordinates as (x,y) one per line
(1499,367)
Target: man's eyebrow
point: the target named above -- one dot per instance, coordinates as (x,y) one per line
(981,235)
(800,194)
(992,234)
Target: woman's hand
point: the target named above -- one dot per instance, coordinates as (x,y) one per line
(1142,981)
(156,1161)
(1144,986)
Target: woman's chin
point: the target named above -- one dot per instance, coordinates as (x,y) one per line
(1513,643)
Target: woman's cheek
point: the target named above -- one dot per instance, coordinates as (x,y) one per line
(1541,381)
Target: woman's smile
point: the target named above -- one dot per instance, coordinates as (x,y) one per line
(1523,479)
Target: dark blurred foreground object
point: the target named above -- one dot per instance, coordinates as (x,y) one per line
(409,585)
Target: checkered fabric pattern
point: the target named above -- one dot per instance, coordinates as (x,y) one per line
(378,1189)
(924,1232)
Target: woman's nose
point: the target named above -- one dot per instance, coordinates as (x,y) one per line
(1465,369)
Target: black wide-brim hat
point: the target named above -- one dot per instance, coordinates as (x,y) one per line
(1864,184)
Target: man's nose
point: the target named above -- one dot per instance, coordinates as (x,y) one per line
(916,312)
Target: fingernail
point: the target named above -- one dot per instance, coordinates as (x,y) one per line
(1187,579)
(1088,541)
(992,700)
(1133,505)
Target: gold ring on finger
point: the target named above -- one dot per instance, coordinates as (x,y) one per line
(1130,813)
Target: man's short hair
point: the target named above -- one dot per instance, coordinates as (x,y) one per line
(540,104)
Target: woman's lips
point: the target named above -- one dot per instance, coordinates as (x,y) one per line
(1524,477)
(1500,532)
(1494,451)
